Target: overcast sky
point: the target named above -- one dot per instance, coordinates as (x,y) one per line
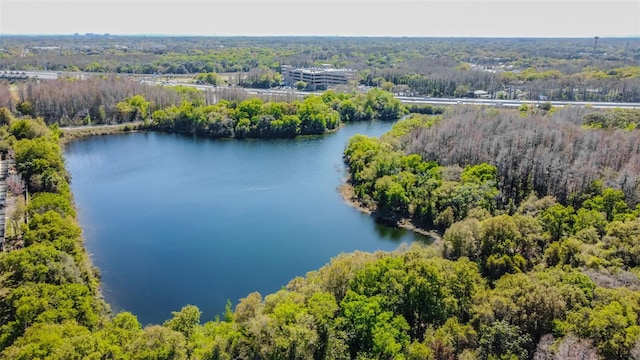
(478,18)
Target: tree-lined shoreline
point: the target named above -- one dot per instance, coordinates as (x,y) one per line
(538,255)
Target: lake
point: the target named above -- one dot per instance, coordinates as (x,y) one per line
(172,220)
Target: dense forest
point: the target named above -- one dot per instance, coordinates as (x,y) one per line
(581,69)
(112,100)
(537,208)
(522,194)
(550,153)
(514,277)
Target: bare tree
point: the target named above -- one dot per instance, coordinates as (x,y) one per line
(16,184)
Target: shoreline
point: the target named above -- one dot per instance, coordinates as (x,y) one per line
(349,197)
(69,135)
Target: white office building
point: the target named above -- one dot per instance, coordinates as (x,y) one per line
(317,78)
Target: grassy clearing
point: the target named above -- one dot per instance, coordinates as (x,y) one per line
(78,133)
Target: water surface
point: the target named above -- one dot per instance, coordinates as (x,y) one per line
(172,220)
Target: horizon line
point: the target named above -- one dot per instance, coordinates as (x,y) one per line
(102,34)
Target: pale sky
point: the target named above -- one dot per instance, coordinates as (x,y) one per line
(464,18)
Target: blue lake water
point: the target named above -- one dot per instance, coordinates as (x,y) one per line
(172,220)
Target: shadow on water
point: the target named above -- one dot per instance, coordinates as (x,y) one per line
(389,231)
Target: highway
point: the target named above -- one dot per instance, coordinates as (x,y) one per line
(510,103)
(418,99)
(301,94)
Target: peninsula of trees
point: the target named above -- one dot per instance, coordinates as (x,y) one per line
(535,200)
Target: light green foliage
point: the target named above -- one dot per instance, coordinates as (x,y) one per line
(423,291)
(587,218)
(49,227)
(29,129)
(25,108)
(210,78)
(161,119)
(67,340)
(408,186)
(611,323)
(479,173)
(461,197)
(39,158)
(617,118)
(248,308)
(414,121)
(419,351)
(45,303)
(391,195)
(43,202)
(185,320)
(564,252)
(533,205)
(40,263)
(6,118)
(316,116)
(139,105)
(348,110)
(313,115)
(322,306)
(529,302)
(498,235)
(360,154)
(409,303)
(499,244)
(248,118)
(384,105)
(335,277)
(523,110)
(47,286)
(249,109)
(611,202)
(190,94)
(622,238)
(371,329)
(113,338)
(156,343)
(292,329)
(217,340)
(463,239)
(557,220)
(451,338)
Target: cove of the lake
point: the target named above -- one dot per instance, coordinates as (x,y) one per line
(172,220)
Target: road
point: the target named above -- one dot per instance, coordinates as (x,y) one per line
(418,99)
(511,103)
(403,99)
(45,75)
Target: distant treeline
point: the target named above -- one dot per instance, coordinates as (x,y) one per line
(557,69)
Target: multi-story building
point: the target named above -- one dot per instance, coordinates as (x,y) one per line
(317,78)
